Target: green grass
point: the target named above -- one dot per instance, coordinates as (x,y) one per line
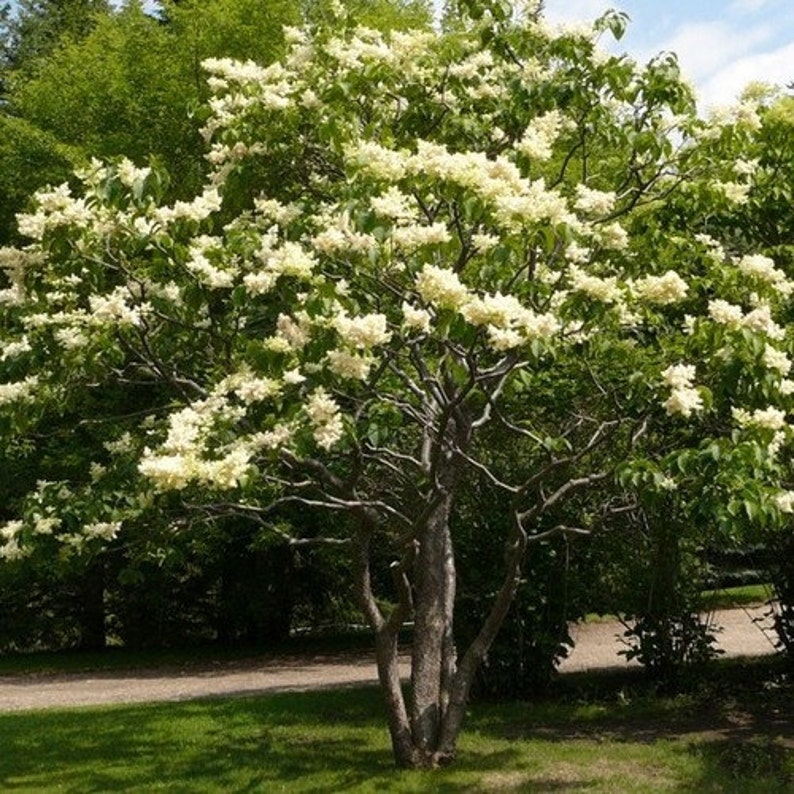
(731,597)
(621,740)
(723,598)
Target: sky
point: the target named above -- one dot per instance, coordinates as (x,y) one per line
(722,45)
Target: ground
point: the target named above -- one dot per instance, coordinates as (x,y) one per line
(745,632)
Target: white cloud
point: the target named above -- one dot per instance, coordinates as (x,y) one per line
(775,67)
(705,47)
(747,6)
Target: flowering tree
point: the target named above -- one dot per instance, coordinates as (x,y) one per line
(401,237)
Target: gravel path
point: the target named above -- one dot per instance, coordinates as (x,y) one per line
(744,633)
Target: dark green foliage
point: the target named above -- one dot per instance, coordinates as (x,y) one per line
(523,660)
(30,158)
(649,569)
(37,27)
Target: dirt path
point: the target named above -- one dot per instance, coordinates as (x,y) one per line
(744,633)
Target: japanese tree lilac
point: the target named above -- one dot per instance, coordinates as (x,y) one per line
(770,418)
(538,138)
(18,391)
(373,303)
(363,332)
(415,319)
(348,365)
(323,412)
(777,360)
(665,289)
(441,287)
(684,399)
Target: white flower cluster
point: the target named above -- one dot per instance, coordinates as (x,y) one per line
(200,265)
(763,268)
(409,238)
(339,236)
(54,207)
(777,360)
(129,174)
(323,412)
(276,212)
(104,530)
(292,333)
(441,288)
(180,460)
(665,289)
(594,202)
(394,205)
(249,387)
(735,192)
(732,316)
(10,548)
(472,65)
(538,139)
(378,161)
(684,399)
(770,418)
(115,308)
(197,210)
(18,391)
(784,501)
(14,349)
(516,200)
(509,324)
(366,45)
(605,290)
(349,365)
(416,319)
(290,259)
(363,332)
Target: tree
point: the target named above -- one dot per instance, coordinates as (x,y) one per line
(36,27)
(453,225)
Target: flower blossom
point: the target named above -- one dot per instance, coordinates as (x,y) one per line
(416,319)
(348,365)
(784,501)
(324,415)
(777,360)
(770,418)
(594,202)
(665,289)
(605,290)
(366,331)
(104,530)
(18,390)
(684,399)
(761,267)
(725,313)
(441,287)
(538,138)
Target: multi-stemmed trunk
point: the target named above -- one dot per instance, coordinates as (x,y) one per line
(425,721)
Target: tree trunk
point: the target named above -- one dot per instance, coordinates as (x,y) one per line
(432,658)
(424,731)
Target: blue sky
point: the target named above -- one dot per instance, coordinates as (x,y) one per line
(722,44)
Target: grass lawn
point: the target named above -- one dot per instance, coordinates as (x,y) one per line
(604,736)
(730,597)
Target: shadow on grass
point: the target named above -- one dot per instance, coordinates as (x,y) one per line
(319,742)
(760,765)
(737,726)
(732,735)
